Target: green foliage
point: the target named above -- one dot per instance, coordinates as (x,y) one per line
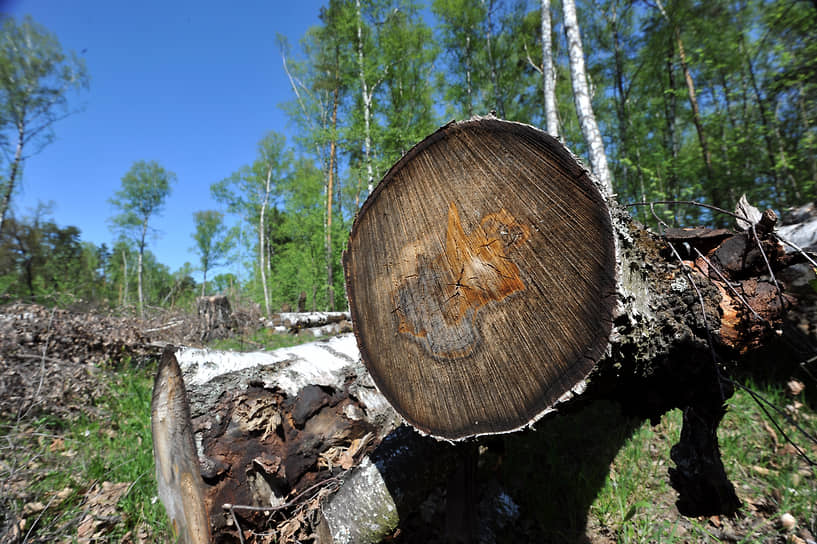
(39,260)
(212,241)
(145,187)
(36,78)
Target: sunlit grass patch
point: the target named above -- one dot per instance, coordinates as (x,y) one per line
(59,473)
(636,503)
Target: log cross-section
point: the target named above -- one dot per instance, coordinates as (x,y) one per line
(481,277)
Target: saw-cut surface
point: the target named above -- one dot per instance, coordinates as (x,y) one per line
(481,278)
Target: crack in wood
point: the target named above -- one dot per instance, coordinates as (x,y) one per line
(439,304)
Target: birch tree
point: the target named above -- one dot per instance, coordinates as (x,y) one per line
(548,72)
(212,242)
(581,97)
(250,193)
(145,187)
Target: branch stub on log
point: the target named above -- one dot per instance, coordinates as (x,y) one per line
(481,278)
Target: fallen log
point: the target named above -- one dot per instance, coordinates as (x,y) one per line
(490,283)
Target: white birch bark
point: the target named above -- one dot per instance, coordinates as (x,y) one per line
(366,95)
(548,73)
(262,234)
(139,270)
(581,96)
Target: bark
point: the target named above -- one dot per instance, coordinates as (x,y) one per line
(262,236)
(295,321)
(330,189)
(366,97)
(671,114)
(139,269)
(500,105)
(214,317)
(548,73)
(125,278)
(716,195)
(581,96)
(468,89)
(15,165)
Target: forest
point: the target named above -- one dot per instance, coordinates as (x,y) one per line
(701,101)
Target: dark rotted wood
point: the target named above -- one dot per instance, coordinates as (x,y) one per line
(481,278)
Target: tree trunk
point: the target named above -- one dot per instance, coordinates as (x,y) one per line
(262,236)
(215,317)
(548,73)
(581,96)
(15,165)
(330,188)
(139,269)
(366,98)
(125,278)
(500,105)
(534,298)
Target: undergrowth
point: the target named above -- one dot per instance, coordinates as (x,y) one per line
(51,468)
(56,473)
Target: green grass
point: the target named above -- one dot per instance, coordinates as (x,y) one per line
(111,442)
(636,503)
(266,339)
(614,489)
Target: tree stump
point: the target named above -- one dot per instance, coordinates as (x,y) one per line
(215,317)
(481,278)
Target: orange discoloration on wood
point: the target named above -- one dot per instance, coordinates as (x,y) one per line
(438,305)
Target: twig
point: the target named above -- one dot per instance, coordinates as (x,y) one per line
(233,507)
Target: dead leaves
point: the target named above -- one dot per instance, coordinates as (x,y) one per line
(100,511)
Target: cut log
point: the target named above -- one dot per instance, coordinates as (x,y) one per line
(481,278)
(494,292)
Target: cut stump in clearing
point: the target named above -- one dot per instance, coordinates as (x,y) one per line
(481,278)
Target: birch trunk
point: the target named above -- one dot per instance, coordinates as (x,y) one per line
(548,73)
(262,235)
(125,278)
(366,96)
(330,191)
(139,269)
(581,96)
(500,106)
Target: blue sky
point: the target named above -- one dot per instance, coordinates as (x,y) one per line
(193,85)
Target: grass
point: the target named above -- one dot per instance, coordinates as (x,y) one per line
(58,464)
(266,339)
(636,503)
(614,490)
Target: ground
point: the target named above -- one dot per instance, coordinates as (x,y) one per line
(76,461)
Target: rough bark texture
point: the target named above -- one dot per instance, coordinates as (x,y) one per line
(215,316)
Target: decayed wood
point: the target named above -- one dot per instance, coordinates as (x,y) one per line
(477,237)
